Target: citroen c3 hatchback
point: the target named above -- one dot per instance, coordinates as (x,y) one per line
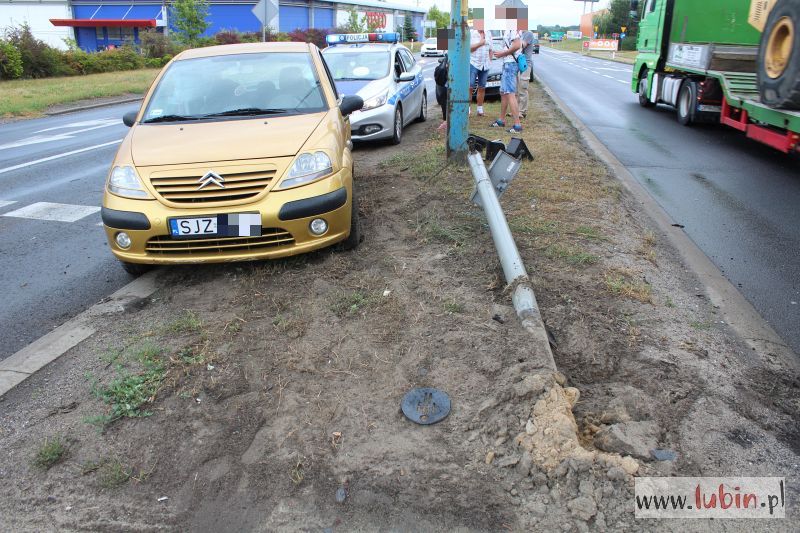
(238,152)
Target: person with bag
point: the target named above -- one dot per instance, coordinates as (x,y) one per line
(525,75)
(479,64)
(513,61)
(440,79)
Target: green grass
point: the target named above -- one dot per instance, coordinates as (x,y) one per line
(113,474)
(700,325)
(423,164)
(620,285)
(575,45)
(452,307)
(130,391)
(53,450)
(185,323)
(573,256)
(32,97)
(353,302)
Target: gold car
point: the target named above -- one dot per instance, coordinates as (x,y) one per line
(238,152)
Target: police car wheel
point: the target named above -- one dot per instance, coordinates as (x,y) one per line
(398,126)
(423,108)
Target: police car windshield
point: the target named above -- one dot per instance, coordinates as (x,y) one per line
(358,65)
(228,85)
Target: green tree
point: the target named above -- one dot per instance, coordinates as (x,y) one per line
(409,33)
(354,25)
(188,17)
(10,61)
(441,18)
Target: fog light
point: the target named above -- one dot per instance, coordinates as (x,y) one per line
(318,226)
(123,240)
(372,128)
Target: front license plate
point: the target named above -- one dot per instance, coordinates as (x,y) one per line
(493,84)
(230,225)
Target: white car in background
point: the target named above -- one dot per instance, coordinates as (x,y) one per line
(429,48)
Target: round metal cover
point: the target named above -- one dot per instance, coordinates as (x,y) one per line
(426,406)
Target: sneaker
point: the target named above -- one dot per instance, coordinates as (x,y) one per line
(515,129)
(498,124)
(442,126)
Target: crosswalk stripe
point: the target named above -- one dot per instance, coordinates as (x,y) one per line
(53,212)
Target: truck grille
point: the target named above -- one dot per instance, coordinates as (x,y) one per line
(270,238)
(237,186)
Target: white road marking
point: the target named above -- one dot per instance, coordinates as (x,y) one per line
(84,124)
(607,76)
(58,156)
(38,139)
(4,203)
(623,81)
(54,212)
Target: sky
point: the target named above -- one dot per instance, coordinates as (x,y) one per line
(546,12)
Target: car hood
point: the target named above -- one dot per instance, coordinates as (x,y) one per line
(222,140)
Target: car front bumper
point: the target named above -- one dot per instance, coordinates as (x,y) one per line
(285,219)
(382,116)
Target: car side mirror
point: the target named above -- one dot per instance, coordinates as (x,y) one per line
(406,76)
(129,118)
(350,104)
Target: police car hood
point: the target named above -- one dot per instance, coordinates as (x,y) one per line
(221,140)
(366,89)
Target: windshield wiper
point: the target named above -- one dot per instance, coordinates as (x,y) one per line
(352,79)
(246,111)
(168,118)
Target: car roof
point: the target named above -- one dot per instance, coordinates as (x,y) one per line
(361,47)
(243,48)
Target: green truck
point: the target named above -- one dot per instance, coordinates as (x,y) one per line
(735,62)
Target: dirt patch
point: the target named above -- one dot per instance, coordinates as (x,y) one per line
(266,396)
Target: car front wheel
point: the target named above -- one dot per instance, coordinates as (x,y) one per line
(397,134)
(355,237)
(135,269)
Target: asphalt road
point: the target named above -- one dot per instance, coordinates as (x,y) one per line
(738,200)
(54,260)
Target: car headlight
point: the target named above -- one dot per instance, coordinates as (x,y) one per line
(123,181)
(375,101)
(307,168)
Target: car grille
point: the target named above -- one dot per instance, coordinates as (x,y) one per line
(238,186)
(270,238)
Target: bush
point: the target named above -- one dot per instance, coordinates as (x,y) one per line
(38,59)
(312,35)
(155,44)
(228,37)
(124,58)
(10,61)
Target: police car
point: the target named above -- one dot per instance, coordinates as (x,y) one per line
(385,75)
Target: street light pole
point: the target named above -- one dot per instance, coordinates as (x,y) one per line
(458,81)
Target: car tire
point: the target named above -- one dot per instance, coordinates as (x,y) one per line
(423,108)
(135,269)
(397,128)
(644,101)
(355,237)
(687,96)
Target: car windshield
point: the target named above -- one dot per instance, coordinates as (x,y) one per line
(358,65)
(432,40)
(236,85)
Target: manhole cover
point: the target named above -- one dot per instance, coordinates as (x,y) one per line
(426,406)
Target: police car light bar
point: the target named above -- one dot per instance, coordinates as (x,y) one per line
(348,38)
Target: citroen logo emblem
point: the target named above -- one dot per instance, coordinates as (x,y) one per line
(209,178)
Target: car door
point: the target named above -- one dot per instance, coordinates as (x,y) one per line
(413,100)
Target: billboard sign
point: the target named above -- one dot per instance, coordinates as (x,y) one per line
(607,45)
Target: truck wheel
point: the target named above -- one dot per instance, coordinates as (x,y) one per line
(779,57)
(644,99)
(687,103)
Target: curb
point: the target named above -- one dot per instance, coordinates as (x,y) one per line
(43,351)
(92,106)
(736,310)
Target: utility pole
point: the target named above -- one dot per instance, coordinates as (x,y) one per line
(458,98)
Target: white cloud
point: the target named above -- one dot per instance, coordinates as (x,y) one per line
(547,12)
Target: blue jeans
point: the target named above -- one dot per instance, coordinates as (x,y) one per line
(481,74)
(508,80)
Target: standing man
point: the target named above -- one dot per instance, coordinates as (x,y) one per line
(524,77)
(508,80)
(479,63)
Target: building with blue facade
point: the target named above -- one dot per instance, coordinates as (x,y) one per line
(100,24)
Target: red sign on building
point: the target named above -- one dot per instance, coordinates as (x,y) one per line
(376,19)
